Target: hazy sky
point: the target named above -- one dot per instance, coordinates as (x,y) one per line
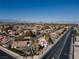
(40,10)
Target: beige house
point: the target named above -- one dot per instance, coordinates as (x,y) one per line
(19,44)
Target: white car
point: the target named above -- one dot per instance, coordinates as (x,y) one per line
(52,58)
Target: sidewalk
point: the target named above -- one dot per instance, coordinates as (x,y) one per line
(76,50)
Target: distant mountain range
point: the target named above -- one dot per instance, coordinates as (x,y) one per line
(17,21)
(8,20)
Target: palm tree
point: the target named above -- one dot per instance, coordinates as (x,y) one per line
(48,38)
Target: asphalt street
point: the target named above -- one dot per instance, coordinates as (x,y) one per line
(61,49)
(4,55)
